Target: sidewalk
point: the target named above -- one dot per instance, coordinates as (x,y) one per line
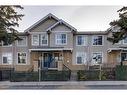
(82,83)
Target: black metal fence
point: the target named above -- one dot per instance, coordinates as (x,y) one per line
(45,76)
(5,75)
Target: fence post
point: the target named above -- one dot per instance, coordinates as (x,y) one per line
(100,71)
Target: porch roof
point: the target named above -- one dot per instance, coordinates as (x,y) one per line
(116,49)
(51,49)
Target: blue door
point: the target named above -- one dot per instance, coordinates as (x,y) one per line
(47,59)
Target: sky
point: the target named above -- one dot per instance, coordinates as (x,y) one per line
(83,18)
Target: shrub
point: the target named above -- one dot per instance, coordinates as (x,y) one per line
(53,75)
(121,72)
(88,75)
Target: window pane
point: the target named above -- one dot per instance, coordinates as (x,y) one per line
(97,58)
(97,40)
(44,39)
(22,58)
(61,39)
(81,57)
(35,40)
(7,58)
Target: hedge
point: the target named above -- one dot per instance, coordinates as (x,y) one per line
(55,75)
(84,75)
(121,72)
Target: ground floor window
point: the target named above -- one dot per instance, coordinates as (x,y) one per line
(97,58)
(80,58)
(22,58)
(124,56)
(7,58)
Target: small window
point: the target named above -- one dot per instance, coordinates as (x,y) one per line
(81,40)
(80,58)
(21,58)
(44,39)
(61,39)
(97,40)
(6,44)
(35,40)
(22,42)
(125,41)
(97,58)
(7,58)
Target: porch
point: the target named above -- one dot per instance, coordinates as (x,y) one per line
(48,59)
(117,56)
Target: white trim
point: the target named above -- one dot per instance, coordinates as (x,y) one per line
(124,42)
(56,39)
(85,63)
(32,40)
(42,32)
(120,55)
(96,36)
(85,38)
(7,45)
(59,22)
(41,40)
(11,57)
(21,63)
(49,15)
(22,45)
(92,58)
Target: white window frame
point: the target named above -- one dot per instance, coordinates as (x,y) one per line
(124,41)
(3,56)
(41,40)
(85,58)
(56,39)
(96,36)
(92,58)
(121,55)
(21,63)
(37,39)
(25,42)
(6,45)
(85,40)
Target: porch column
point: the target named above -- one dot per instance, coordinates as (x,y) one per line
(60,65)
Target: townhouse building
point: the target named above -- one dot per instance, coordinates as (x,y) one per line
(51,44)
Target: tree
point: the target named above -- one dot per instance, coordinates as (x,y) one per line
(119,27)
(8,21)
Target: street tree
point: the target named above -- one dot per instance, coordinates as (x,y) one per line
(9,20)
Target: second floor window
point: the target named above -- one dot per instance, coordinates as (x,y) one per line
(22,42)
(125,41)
(7,58)
(61,39)
(81,40)
(97,40)
(44,39)
(35,40)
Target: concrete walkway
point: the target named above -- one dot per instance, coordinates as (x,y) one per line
(7,83)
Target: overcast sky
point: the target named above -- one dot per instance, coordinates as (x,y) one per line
(83,18)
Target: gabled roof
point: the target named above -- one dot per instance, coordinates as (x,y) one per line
(38,22)
(61,22)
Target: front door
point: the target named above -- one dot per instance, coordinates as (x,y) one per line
(47,59)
